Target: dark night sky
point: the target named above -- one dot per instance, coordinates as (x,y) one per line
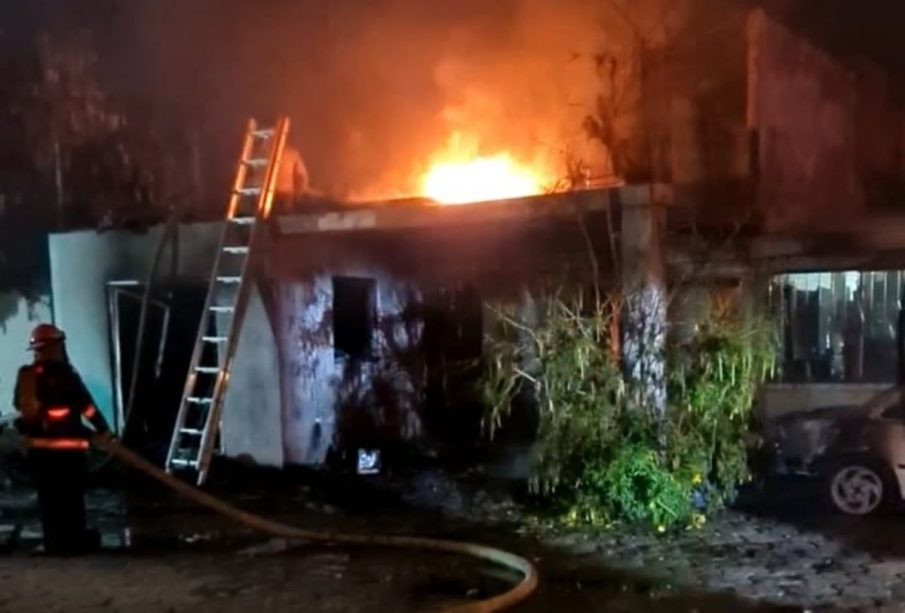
(131,29)
(872,27)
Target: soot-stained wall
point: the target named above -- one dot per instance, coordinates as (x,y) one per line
(82,263)
(379,399)
(293,392)
(323,391)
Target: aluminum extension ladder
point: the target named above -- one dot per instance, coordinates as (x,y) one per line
(198,420)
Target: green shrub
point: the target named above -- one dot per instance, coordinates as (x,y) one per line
(603,461)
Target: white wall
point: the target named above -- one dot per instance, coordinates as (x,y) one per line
(19,317)
(82,263)
(252,428)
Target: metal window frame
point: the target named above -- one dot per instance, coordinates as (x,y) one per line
(114,290)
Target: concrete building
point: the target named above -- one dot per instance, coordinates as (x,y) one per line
(781,159)
(354,312)
(795,145)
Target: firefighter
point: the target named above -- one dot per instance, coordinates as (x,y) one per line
(55,407)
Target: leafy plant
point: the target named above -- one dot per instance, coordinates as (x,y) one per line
(604,460)
(713,381)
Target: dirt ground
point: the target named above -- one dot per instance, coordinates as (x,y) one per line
(161,554)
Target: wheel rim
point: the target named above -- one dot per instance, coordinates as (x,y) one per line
(857,490)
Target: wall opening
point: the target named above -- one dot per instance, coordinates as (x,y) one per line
(452,344)
(354,315)
(173,314)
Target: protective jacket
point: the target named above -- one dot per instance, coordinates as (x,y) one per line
(53,403)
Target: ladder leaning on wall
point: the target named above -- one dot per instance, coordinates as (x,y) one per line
(198,420)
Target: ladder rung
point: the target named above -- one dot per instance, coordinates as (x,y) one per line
(208,370)
(264,133)
(192,432)
(223,309)
(236,250)
(214,339)
(256,162)
(229,279)
(197,400)
(244,221)
(249,191)
(183,462)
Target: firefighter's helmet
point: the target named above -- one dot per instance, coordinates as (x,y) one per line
(44,335)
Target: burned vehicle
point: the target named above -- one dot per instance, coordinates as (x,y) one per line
(856,452)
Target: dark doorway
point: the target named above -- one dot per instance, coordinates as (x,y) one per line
(354,306)
(171,326)
(452,344)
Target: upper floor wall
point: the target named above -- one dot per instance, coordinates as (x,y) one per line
(828,134)
(748,113)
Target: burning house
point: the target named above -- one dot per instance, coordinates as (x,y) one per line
(716,163)
(357,315)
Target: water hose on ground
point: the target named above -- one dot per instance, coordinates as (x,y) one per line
(489,554)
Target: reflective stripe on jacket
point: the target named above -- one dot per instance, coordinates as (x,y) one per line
(61,413)
(54,402)
(57,444)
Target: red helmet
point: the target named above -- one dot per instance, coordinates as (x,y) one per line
(45,334)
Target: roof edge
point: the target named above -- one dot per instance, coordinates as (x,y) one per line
(403,214)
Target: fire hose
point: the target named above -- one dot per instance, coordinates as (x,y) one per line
(488,554)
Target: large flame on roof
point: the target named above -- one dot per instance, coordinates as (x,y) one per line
(460,175)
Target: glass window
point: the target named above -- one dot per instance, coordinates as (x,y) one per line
(838,326)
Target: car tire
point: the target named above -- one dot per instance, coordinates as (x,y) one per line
(859,487)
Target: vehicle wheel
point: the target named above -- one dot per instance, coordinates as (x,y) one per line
(859,488)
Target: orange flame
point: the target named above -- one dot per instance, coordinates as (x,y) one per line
(460,176)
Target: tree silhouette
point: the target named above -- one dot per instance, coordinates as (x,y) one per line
(69,159)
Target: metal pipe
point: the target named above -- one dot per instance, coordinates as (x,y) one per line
(113,315)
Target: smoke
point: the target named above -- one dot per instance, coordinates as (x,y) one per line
(374,87)
(518,79)
(378,90)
